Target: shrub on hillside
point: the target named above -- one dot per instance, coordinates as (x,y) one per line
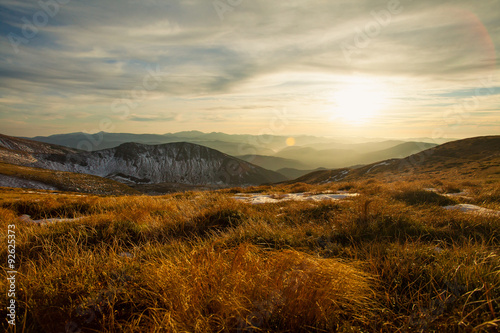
(213,220)
(422,197)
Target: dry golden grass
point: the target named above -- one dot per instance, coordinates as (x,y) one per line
(244,287)
(391,259)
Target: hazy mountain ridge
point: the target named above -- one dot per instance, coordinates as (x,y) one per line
(466,158)
(134,163)
(273,152)
(346,157)
(273,162)
(400,151)
(292,173)
(228,144)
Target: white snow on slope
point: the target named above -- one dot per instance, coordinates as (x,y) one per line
(462,194)
(27,218)
(336,178)
(379,164)
(467,208)
(273,198)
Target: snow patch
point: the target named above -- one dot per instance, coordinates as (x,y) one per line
(27,219)
(336,178)
(463,194)
(274,198)
(467,208)
(376,165)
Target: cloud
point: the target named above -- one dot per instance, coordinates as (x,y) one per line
(154,118)
(91,53)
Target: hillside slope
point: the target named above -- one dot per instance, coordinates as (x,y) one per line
(35,178)
(348,155)
(20,151)
(30,146)
(468,158)
(400,151)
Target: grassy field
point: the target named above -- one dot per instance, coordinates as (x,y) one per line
(391,259)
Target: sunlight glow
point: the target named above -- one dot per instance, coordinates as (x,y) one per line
(359,101)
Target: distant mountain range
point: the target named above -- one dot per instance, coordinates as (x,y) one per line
(134,163)
(233,144)
(267,151)
(345,157)
(230,144)
(157,168)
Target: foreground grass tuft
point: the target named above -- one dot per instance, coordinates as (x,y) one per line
(422,197)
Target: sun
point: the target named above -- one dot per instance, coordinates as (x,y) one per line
(358,102)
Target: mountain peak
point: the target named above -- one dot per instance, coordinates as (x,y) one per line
(137,163)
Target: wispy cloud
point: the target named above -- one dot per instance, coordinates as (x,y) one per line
(283,54)
(155,118)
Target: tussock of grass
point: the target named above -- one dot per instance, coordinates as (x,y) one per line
(51,206)
(422,197)
(244,287)
(450,188)
(490,195)
(215,220)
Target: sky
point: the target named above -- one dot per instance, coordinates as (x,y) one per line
(370,68)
